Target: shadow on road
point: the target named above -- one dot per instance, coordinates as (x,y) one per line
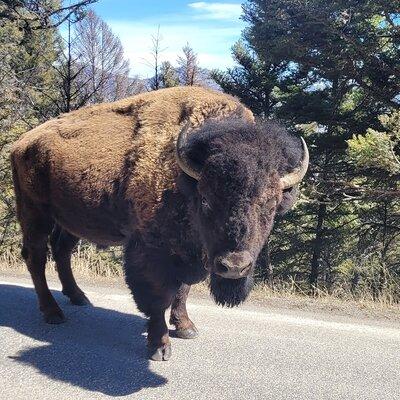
(96,349)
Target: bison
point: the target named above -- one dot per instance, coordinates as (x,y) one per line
(184,178)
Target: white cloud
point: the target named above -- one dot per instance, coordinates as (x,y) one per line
(226,11)
(211,28)
(211,43)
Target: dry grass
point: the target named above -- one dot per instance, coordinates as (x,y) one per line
(342,293)
(89,262)
(290,295)
(336,299)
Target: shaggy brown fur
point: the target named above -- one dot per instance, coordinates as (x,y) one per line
(123,151)
(102,173)
(109,174)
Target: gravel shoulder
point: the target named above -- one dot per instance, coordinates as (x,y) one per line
(329,309)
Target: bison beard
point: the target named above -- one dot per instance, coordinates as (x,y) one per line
(230,292)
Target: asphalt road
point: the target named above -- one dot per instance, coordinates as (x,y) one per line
(244,353)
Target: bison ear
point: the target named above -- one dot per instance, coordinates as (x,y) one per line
(288,199)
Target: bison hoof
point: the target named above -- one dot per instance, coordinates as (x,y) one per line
(54,317)
(162,353)
(189,333)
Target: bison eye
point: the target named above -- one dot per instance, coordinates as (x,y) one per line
(205,205)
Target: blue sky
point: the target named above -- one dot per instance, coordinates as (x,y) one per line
(211,28)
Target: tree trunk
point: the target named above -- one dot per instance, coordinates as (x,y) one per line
(265,266)
(382,280)
(315,262)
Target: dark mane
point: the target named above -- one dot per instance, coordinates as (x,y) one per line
(268,142)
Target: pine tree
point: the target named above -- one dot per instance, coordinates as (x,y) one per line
(337,71)
(31,15)
(376,155)
(253,81)
(26,58)
(168,75)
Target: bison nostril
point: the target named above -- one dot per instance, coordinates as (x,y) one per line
(221,268)
(246,267)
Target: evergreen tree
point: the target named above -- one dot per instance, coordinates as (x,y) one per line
(333,68)
(26,59)
(376,155)
(252,80)
(168,75)
(41,14)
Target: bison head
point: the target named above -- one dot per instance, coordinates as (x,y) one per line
(239,175)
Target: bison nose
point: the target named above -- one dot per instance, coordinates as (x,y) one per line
(234,265)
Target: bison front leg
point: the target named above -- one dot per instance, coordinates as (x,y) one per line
(158,342)
(153,300)
(153,290)
(184,327)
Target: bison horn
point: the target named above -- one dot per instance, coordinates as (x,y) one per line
(185,163)
(296,176)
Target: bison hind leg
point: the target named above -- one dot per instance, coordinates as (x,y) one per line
(62,244)
(36,226)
